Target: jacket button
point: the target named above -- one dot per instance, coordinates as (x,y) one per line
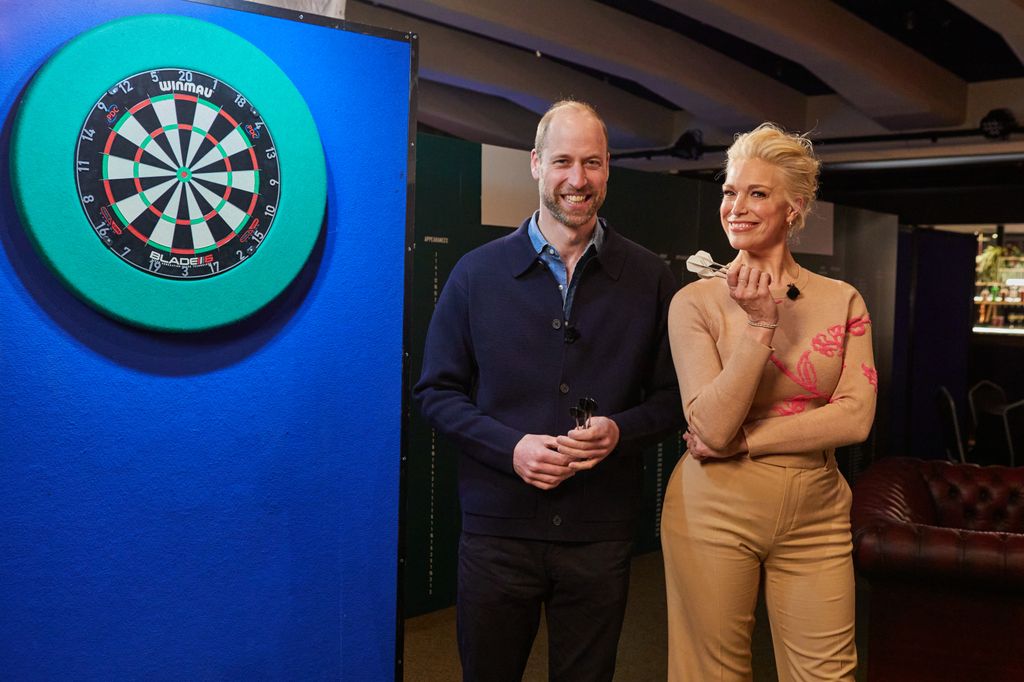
(556,520)
(556,324)
(563,388)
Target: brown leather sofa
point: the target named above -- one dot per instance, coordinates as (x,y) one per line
(942,548)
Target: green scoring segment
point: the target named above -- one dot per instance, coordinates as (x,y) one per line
(177,173)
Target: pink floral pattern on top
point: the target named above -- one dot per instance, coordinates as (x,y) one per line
(805,376)
(794,405)
(857,326)
(871,373)
(828,343)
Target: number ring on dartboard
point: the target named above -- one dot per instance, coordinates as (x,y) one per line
(179,186)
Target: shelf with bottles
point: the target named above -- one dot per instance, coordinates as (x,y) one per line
(999,289)
(999,317)
(999,306)
(999,295)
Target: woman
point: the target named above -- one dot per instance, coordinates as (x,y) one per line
(775,368)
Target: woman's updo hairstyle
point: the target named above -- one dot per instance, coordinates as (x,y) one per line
(792,154)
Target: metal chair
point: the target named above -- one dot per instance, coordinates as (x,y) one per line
(985,396)
(949,421)
(1013,422)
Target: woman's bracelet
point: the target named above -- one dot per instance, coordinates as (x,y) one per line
(763,325)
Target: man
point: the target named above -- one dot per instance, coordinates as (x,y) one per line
(527,325)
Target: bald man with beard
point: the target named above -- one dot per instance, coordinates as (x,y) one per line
(527,325)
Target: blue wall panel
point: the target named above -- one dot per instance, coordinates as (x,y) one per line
(220,505)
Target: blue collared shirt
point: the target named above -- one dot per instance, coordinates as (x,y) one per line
(549,255)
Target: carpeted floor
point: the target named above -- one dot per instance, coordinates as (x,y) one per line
(431,654)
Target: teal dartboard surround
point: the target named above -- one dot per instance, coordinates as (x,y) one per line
(178,186)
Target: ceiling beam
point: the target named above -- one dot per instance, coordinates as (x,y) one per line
(695,78)
(466,61)
(473,116)
(878,75)
(1005,17)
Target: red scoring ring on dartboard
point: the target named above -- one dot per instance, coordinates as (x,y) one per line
(197,154)
(215,142)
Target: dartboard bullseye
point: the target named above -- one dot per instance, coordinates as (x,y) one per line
(176,182)
(178,173)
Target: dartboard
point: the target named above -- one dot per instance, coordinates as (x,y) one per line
(179,184)
(177,173)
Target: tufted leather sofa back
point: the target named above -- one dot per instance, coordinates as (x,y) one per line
(976,498)
(932,518)
(942,546)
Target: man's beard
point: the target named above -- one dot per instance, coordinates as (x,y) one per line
(550,202)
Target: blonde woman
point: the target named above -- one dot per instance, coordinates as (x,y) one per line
(776,370)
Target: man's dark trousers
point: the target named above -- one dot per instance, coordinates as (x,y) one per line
(502,583)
